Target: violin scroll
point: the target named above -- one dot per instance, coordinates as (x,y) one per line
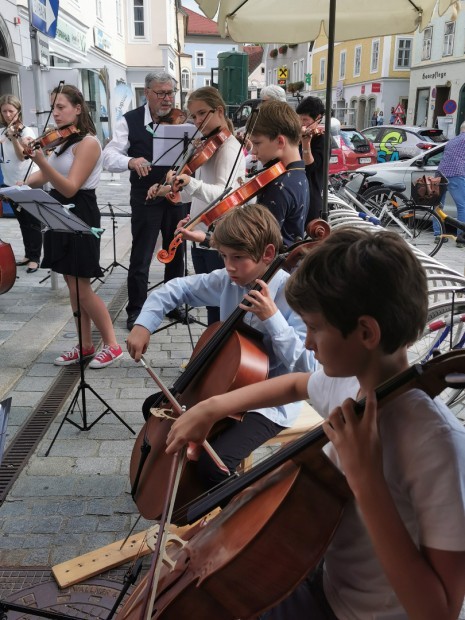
(166,256)
(318,229)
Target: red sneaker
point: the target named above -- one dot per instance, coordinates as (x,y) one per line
(107,356)
(72,357)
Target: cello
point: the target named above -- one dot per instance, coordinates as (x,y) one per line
(239,360)
(277,527)
(7,267)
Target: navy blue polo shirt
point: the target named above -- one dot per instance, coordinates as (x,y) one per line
(287,197)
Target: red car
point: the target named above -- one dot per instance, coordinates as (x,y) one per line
(357,150)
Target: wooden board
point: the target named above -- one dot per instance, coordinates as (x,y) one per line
(98,561)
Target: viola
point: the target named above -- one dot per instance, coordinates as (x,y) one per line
(7,267)
(276,528)
(225,357)
(51,139)
(238,197)
(199,157)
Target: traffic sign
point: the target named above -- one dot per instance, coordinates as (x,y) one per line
(449,106)
(44,16)
(398,121)
(399,110)
(283,73)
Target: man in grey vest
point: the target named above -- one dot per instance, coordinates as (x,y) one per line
(132,148)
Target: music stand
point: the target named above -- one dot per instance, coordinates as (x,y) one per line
(54,217)
(114,226)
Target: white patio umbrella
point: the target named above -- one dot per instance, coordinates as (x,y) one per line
(298,21)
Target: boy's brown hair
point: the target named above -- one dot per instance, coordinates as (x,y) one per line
(353,273)
(249,229)
(276,118)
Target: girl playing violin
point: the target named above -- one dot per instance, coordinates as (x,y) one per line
(73,170)
(13,138)
(207,110)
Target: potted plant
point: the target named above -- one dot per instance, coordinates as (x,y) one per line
(273,53)
(283,49)
(292,45)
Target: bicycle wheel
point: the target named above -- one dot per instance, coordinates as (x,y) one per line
(377,198)
(415,224)
(437,338)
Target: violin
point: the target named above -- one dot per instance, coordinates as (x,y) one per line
(51,139)
(17,127)
(238,197)
(311,132)
(276,529)
(7,267)
(199,157)
(239,359)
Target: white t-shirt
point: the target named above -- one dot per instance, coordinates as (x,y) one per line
(424,465)
(13,169)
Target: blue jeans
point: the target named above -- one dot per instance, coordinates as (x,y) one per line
(456,188)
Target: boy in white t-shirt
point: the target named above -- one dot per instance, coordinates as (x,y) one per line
(399,550)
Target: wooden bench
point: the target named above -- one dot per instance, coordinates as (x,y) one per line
(307,420)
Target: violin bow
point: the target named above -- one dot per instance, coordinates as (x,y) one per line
(61,83)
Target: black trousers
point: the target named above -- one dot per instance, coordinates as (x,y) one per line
(234,444)
(30,231)
(147,221)
(206,261)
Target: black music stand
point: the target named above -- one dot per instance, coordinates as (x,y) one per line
(54,217)
(114,227)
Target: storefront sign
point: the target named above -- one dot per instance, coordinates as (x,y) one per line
(376,87)
(437,75)
(71,36)
(362,89)
(102,40)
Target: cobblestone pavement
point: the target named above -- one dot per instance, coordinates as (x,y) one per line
(77,499)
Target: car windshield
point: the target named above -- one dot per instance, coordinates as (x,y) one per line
(353,138)
(432,135)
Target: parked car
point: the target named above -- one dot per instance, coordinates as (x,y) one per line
(407,172)
(240,115)
(394,142)
(356,148)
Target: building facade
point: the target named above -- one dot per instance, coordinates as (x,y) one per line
(437,79)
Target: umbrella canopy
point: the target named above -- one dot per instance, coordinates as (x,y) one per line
(298,21)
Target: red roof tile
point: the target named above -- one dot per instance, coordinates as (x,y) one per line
(255,53)
(199,24)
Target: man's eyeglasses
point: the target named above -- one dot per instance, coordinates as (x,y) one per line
(163,94)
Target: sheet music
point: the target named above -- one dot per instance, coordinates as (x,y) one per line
(168,143)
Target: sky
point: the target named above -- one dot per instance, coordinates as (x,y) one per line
(191,4)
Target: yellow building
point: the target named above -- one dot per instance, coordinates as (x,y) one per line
(370,76)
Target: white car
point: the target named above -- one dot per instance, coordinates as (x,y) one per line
(394,142)
(407,172)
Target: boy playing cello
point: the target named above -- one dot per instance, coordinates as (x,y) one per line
(248,240)
(399,551)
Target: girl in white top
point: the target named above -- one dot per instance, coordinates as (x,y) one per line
(74,172)
(227,165)
(14,136)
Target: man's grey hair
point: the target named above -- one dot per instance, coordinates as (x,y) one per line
(161,77)
(273,92)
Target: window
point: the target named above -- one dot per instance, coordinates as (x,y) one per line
(342,65)
(358,60)
(322,69)
(403,53)
(374,55)
(98,8)
(301,70)
(185,79)
(427,41)
(295,76)
(139,24)
(207,82)
(269,77)
(449,32)
(119,19)
(171,65)
(275,76)
(200,60)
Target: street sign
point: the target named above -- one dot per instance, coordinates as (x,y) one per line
(44,15)
(399,110)
(398,121)
(308,78)
(282,82)
(283,73)
(449,106)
